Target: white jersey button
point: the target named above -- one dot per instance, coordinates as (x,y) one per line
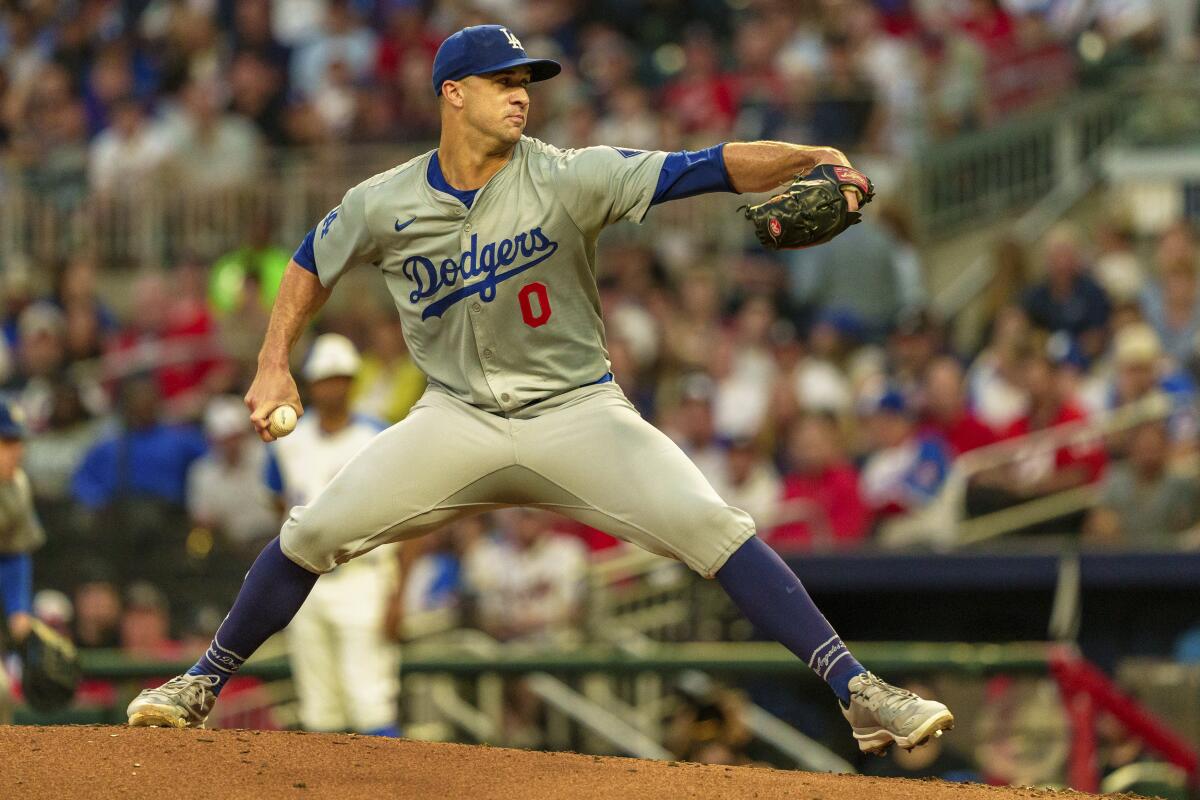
(487,353)
(476,307)
(505,397)
(467,228)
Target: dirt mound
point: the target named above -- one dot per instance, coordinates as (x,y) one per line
(104,762)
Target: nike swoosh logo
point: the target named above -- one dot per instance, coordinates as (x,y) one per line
(400,227)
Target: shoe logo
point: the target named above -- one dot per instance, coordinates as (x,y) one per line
(400,227)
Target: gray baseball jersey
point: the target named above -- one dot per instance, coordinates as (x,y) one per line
(500,310)
(498,302)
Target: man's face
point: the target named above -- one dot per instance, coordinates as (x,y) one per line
(331,395)
(497,103)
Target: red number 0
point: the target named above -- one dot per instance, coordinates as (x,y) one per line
(534,319)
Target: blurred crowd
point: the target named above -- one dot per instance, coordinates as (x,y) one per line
(815,390)
(103,95)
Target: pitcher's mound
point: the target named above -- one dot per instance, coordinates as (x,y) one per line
(108,762)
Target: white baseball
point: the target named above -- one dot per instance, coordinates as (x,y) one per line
(282,421)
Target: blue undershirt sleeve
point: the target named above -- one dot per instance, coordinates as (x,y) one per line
(16,582)
(304,253)
(692,172)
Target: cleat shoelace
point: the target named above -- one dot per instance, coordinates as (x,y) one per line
(879,693)
(188,688)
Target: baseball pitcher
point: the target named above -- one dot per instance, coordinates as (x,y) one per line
(488,247)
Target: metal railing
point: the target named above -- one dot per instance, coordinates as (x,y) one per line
(978,177)
(943,522)
(163,222)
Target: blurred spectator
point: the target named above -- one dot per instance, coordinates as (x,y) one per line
(41,360)
(863,273)
(129,156)
(691,426)
(945,410)
(172,334)
(1142,372)
(435,580)
(912,345)
(904,469)
(842,111)
(1171,305)
(1118,269)
(224,487)
(1068,299)
(210,149)
(252,33)
(98,610)
(344,45)
(1143,504)
(810,381)
(529,583)
(76,290)
(701,98)
(255,268)
(994,381)
(749,482)
(145,458)
(1039,472)
(54,454)
(388,384)
(820,507)
(146,625)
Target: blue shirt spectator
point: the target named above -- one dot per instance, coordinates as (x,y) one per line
(146,458)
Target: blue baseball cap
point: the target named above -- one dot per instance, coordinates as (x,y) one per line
(485,48)
(12,421)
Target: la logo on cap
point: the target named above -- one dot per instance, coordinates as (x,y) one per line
(512,39)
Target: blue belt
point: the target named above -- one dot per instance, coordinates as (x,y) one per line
(606,379)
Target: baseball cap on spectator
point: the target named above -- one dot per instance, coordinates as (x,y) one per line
(12,421)
(53,607)
(1136,343)
(480,49)
(890,401)
(332,356)
(225,417)
(41,318)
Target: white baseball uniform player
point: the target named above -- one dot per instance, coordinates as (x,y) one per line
(346,670)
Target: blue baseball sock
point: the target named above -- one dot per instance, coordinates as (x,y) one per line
(274,589)
(772,597)
(390,731)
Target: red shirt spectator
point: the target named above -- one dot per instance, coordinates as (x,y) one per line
(701,99)
(1090,456)
(821,503)
(946,414)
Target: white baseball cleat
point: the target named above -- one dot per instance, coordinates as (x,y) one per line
(882,715)
(182,702)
